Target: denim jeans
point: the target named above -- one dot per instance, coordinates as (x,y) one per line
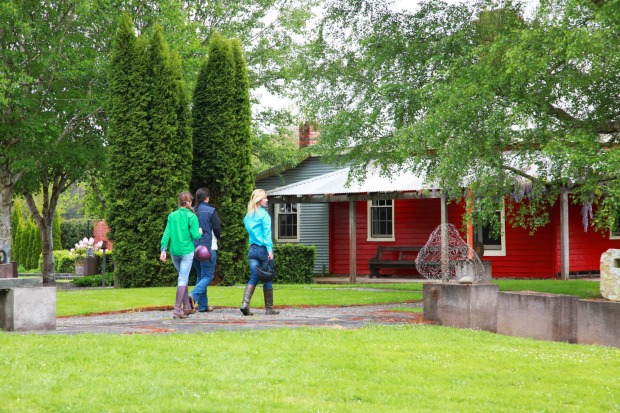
(204,275)
(183,264)
(258,256)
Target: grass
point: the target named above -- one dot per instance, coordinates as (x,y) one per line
(77,302)
(584,289)
(417,368)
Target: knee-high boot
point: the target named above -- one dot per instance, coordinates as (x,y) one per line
(247,297)
(268,293)
(188,308)
(178,312)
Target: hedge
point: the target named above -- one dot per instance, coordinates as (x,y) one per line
(294,263)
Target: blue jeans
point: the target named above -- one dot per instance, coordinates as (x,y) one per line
(204,275)
(258,256)
(183,264)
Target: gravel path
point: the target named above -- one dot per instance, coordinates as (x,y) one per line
(231,319)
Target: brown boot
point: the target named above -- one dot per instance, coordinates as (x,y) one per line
(268,293)
(188,307)
(247,297)
(178,312)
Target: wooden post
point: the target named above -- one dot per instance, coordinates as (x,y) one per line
(352,243)
(445,267)
(564,241)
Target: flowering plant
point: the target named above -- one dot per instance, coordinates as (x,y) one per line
(83,246)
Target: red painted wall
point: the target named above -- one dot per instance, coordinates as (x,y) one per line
(527,256)
(585,248)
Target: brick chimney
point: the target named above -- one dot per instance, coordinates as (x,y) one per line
(307,136)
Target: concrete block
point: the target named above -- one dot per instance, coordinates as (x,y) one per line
(8,270)
(540,316)
(462,305)
(28,309)
(598,322)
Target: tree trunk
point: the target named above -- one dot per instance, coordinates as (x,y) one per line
(47,252)
(6,193)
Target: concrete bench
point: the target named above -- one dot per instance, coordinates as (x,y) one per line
(25,305)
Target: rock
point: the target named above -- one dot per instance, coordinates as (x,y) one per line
(610,274)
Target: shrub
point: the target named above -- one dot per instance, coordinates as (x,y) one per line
(64,261)
(72,230)
(94,280)
(294,263)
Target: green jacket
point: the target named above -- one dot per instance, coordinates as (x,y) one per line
(181,229)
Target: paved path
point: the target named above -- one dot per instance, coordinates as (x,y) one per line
(231,319)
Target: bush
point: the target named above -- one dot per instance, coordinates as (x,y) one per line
(72,231)
(94,280)
(64,262)
(294,263)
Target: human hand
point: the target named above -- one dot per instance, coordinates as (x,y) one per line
(162,256)
(270,256)
(200,229)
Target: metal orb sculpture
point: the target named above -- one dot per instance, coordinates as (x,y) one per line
(448,258)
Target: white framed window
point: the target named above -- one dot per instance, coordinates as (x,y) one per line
(287,222)
(494,244)
(381,220)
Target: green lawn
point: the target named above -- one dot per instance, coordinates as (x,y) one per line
(406,368)
(409,368)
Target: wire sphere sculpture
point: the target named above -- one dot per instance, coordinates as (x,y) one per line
(448,258)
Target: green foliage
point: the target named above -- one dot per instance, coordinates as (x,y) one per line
(221,121)
(294,263)
(446,90)
(148,160)
(65,261)
(94,280)
(73,230)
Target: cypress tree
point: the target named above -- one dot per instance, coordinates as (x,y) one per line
(221,158)
(152,153)
(17,224)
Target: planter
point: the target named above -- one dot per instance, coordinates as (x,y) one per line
(79,269)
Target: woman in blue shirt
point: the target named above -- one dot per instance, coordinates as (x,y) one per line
(258,224)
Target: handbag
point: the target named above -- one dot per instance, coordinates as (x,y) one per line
(266,274)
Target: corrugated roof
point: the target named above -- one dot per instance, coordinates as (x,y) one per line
(336,183)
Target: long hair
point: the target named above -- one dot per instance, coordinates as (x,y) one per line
(257,196)
(201,195)
(185,200)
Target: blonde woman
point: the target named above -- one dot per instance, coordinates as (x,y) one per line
(258,224)
(182,228)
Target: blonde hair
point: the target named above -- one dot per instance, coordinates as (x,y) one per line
(185,200)
(257,196)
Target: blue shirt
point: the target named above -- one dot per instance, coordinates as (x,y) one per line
(258,226)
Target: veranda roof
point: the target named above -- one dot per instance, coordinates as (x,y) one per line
(333,187)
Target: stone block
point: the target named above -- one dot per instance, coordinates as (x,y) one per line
(540,316)
(610,274)
(8,270)
(28,309)
(598,322)
(461,305)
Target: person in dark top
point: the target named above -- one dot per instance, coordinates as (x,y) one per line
(211,228)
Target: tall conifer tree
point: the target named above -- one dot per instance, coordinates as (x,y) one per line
(222,149)
(153,160)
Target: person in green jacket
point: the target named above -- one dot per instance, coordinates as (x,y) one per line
(181,230)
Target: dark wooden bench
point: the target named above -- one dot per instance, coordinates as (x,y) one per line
(393,257)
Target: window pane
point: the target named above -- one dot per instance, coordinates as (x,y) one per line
(287,221)
(381,219)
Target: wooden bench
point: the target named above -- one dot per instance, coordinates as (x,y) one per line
(393,257)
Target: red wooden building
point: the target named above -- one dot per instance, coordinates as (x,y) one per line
(402,212)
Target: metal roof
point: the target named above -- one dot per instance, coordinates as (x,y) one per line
(336,183)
